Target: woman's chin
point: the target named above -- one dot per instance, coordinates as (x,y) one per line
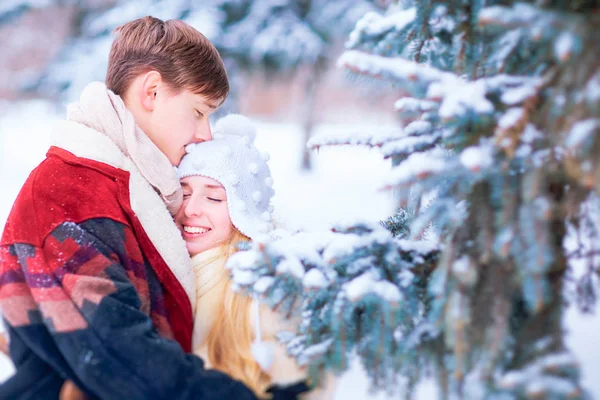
(194,248)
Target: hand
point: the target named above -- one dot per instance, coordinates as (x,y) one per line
(3,344)
(70,391)
(289,392)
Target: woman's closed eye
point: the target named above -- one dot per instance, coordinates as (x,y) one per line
(214,199)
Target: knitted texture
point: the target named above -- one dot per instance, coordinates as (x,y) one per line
(233,160)
(102,110)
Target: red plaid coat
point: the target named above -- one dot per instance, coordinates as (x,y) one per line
(87,296)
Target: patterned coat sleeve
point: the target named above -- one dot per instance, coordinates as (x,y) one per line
(79,304)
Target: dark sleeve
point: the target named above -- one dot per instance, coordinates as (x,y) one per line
(92,310)
(33,377)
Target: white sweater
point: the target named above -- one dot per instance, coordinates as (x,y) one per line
(211,278)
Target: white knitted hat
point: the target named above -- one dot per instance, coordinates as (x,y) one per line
(232,160)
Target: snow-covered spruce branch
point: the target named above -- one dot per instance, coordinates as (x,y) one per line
(508,145)
(373,138)
(551,373)
(408,144)
(436,165)
(416,136)
(519,15)
(564,33)
(456,96)
(358,290)
(393,69)
(413,106)
(373,27)
(523,15)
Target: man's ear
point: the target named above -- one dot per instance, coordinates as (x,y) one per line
(151,83)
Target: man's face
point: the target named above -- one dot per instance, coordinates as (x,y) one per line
(203,218)
(178,120)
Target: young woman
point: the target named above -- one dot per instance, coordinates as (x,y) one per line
(227,189)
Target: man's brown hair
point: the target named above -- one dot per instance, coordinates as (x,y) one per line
(184,57)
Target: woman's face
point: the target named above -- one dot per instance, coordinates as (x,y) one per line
(203,218)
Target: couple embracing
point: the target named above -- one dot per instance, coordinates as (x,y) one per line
(112,262)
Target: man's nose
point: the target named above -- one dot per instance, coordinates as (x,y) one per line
(203,133)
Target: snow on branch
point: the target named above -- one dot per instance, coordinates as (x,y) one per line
(366,283)
(408,144)
(395,69)
(520,15)
(563,30)
(581,132)
(418,166)
(373,138)
(418,247)
(457,97)
(416,136)
(374,25)
(358,275)
(476,158)
(407,105)
(542,378)
(460,97)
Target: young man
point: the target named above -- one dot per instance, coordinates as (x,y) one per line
(96,285)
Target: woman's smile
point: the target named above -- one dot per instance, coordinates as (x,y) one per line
(195,230)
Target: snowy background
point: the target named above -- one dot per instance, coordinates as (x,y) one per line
(45,53)
(343,185)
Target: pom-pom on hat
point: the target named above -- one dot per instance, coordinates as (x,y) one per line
(232,160)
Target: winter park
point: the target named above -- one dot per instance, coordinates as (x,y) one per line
(324,199)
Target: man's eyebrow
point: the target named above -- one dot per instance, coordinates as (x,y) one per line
(208,104)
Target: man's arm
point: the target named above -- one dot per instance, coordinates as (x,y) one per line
(33,377)
(81,281)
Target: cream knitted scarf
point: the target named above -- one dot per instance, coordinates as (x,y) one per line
(102,110)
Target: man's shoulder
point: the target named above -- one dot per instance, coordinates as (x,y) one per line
(66,188)
(63,167)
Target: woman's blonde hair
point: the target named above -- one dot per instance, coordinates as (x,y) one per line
(230,338)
